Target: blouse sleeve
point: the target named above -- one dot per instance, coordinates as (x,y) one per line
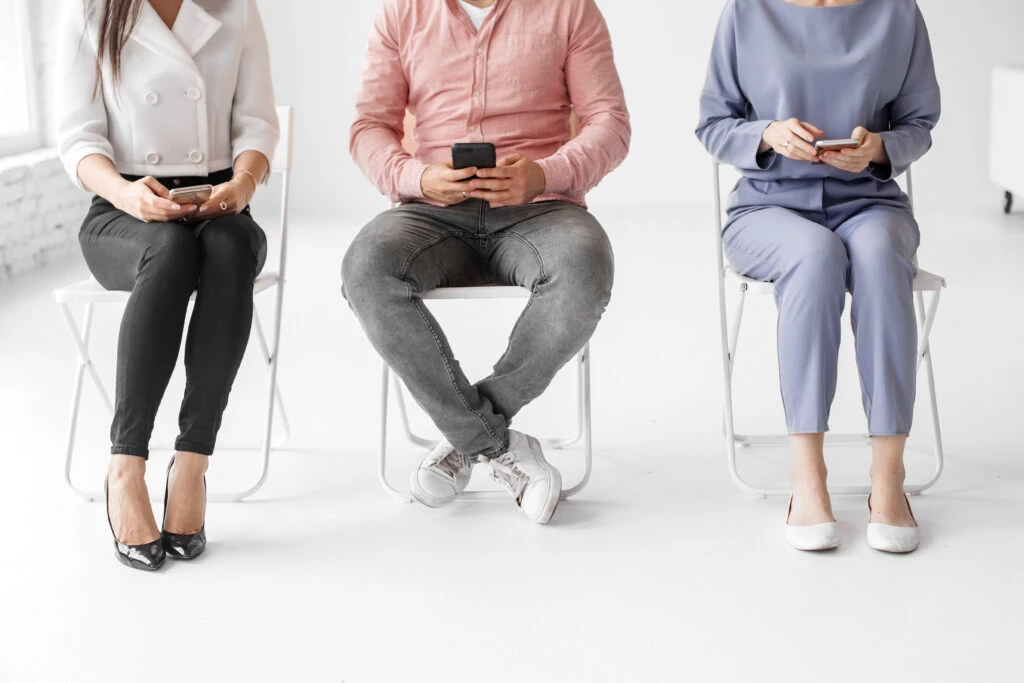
(914,113)
(254,125)
(81,115)
(726,129)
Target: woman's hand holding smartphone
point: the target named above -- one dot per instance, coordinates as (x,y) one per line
(792,138)
(871,150)
(148,200)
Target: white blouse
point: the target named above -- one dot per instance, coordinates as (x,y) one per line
(190,100)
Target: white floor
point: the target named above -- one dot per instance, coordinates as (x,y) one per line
(660,571)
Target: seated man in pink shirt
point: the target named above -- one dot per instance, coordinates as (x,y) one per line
(508,72)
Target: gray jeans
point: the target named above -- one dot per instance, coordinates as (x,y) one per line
(555,249)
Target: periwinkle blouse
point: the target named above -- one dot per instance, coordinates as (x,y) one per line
(864,64)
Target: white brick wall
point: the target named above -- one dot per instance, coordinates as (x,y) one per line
(40,209)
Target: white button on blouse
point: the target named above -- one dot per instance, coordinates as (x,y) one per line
(152,97)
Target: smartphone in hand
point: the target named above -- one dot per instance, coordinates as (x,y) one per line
(474,155)
(197,194)
(836,145)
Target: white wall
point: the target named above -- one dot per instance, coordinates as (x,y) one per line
(661,50)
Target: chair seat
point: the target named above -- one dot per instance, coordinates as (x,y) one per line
(91,292)
(924,282)
(482,292)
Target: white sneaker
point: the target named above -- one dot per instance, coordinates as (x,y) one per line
(442,476)
(814,537)
(532,481)
(893,539)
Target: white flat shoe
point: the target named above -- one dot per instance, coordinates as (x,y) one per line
(815,537)
(893,539)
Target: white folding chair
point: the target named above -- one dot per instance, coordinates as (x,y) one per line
(583,404)
(729,278)
(89,293)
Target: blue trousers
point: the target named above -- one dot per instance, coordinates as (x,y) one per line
(847,243)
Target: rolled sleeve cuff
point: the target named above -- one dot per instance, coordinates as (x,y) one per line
(74,157)
(557,175)
(410,180)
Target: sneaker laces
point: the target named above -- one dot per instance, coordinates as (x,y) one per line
(506,471)
(452,464)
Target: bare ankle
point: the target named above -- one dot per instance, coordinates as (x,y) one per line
(191,464)
(122,467)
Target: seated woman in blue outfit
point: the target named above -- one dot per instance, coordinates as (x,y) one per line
(783,74)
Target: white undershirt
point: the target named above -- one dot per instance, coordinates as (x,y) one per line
(476,14)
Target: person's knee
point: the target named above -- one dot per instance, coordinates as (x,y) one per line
(877,255)
(820,262)
(172,255)
(582,266)
(235,242)
(373,257)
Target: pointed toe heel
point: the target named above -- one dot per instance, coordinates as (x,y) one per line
(147,556)
(181,546)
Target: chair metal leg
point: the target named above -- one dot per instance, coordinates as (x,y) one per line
(273,397)
(382,448)
(404,415)
(81,340)
(582,378)
(585,422)
(926,319)
(286,429)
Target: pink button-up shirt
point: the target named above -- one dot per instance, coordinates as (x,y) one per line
(514,83)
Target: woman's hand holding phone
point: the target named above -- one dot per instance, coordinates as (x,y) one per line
(792,138)
(148,200)
(871,151)
(227,199)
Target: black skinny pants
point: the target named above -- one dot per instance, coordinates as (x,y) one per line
(162,264)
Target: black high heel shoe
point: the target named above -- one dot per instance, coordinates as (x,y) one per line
(182,546)
(148,556)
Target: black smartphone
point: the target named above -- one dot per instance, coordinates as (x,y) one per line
(474,155)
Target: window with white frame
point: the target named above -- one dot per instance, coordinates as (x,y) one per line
(19,126)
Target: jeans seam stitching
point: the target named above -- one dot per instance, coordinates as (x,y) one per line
(419,252)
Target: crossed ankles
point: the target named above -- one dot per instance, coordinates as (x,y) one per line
(534,484)
(138,541)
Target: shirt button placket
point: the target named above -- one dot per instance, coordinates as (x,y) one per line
(476,105)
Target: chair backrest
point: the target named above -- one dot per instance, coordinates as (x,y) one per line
(283,165)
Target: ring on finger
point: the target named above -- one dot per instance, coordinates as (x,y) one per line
(223,206)
(464,195)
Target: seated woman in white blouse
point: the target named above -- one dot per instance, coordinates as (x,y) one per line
(157,95)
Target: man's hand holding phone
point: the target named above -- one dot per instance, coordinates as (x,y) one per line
(446,185)
(515,181)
